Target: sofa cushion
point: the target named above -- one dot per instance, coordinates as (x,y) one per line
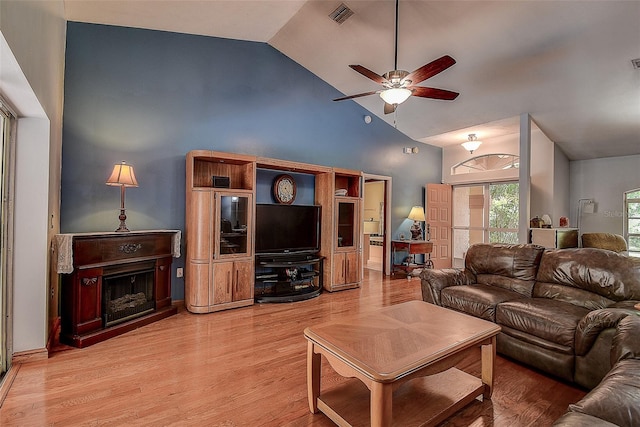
(575,296)
(606,273)
(551,320)
(518,263)
(577,419)
(616,399)
(476,300)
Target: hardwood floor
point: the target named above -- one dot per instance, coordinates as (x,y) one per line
(242,367)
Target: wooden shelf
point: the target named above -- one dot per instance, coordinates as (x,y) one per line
(288,166)
(240,169)
(421,401)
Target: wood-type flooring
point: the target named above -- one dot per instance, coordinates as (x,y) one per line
(242,367)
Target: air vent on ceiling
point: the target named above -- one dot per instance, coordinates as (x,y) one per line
(636,63)
(341,14)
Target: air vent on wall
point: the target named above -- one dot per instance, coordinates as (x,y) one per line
(341,14)
(636,63)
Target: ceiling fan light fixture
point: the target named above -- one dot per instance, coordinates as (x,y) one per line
(472,144)
(395,96)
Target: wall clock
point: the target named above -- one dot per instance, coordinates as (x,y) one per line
(284,189)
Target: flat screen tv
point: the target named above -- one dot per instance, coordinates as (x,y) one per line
(282,229)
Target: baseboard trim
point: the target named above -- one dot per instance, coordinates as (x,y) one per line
(7,381)
(29,356)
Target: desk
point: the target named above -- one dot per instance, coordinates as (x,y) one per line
(411,247)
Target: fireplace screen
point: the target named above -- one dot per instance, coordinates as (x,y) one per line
(127,294)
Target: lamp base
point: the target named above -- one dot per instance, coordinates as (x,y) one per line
(416,231)
(123,226)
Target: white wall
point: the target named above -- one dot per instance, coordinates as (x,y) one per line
(603,180)
(542,150)
(31,79)
(373,197)
(549,178)
(561,183)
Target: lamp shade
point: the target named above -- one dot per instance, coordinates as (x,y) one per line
(472,144)
(395,95)
(417,213)
(123,175)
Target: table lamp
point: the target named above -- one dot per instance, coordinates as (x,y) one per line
(417,215)
(122,176)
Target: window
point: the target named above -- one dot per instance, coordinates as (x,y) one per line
(632,221)
(484,213)
(487,162)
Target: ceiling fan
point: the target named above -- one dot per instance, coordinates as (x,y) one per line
(399,85)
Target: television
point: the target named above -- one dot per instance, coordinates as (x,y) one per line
(282,229)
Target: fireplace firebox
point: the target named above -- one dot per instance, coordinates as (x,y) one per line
(127,292)
(114,282)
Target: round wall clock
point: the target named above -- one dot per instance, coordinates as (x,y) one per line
(284,189)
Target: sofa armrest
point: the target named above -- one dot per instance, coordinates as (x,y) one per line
(626,344)
(595,322)
(434,281)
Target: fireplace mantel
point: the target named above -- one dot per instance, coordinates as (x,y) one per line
(86,262)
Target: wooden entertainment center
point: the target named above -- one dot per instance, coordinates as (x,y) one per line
(220,269)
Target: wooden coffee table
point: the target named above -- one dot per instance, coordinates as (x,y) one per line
(401,363)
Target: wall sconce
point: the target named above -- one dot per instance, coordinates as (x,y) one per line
(410,150)
(417,215)
(472,144)
(123,176)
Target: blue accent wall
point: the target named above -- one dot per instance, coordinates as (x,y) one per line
(148,97)
(305,186)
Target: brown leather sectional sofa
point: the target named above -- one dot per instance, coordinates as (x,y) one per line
(558,309)
(616,400)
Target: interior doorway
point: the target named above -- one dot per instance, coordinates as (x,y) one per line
(376,228)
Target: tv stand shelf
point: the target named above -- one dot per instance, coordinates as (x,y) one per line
(287,278)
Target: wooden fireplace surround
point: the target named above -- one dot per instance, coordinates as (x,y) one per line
(88,255)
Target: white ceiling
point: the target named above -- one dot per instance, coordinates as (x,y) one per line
(567,63)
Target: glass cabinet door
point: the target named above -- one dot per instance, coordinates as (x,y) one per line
(346,224)
(234,219)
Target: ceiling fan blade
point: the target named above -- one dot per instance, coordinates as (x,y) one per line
(429,92)
(370,74)
(389,108)
(356,96)
(430,69)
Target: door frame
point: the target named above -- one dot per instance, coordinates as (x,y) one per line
(386,239)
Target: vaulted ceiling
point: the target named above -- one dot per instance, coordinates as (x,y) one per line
(566,63)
